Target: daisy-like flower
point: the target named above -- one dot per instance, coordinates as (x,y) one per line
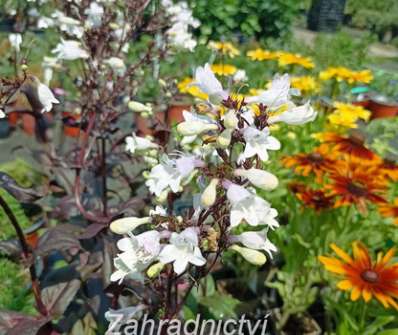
(225,48)
(347,115)
(353,145)
(315,199)
(318,162)
(389,169)
(306,84)
(390,210)
(207,82)
(364,277)
(261,54)
(248,207)
(343,74)
(224,69)
(354,184)
(182,251)
(258,142)
(286,58)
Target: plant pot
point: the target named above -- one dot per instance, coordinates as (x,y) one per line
(4,128)
(382,110)
(146,126)
(362,103)
(28,124)
(71,125)
(13,118)
(174,113)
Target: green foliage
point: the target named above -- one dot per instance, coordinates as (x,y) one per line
(383,137)
(251,18)
(6,229)
(14,288)
(377,16)
(342,50)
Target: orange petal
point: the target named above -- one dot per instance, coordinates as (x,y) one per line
(361,254)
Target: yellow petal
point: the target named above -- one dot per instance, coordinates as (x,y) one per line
(344,285)
(355,293)
(341,253)
(367,295)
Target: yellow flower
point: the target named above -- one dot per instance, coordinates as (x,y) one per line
(224,69)
(261,54)
(347,115)
(344,74)
(305,84)
(186,87)
(225,48)
(286,58)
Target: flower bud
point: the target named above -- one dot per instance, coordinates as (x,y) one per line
(189,128)
(155,269)
(209,195)
(127,225)
(230,120)
(259,178)
(252,256)
(138,107)
(224,140)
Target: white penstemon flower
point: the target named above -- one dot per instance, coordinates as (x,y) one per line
(248,207)
(136,143)
(15,41)
(138,252)
(183,250)
(70,50)
(258,142)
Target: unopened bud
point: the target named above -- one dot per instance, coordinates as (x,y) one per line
(259,178)
(224,139)
(209,195)
(189,128)
(252,256)
(230,120)
(126,225)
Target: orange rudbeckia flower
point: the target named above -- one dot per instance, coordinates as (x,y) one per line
(357,184)
(353,145)
(316,162)
(363,277)
(390,210)
(315,199)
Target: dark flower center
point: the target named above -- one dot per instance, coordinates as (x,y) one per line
(357,190)
(370,276)
(357,138)
(315,157)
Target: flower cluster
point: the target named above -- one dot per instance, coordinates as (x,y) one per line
(181,19)
(344,74)
(225,144)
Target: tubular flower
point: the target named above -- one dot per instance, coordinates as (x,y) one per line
(225,48)
(390,210)
(364,277)
(347,115)
(224,69)
(315,199)
(354,184)
(286,58)
(353,145)
(316,162)
(261,54)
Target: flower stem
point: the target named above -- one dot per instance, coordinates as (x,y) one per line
(26,255)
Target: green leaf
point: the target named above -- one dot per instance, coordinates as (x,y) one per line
(389,332)
(220,305)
